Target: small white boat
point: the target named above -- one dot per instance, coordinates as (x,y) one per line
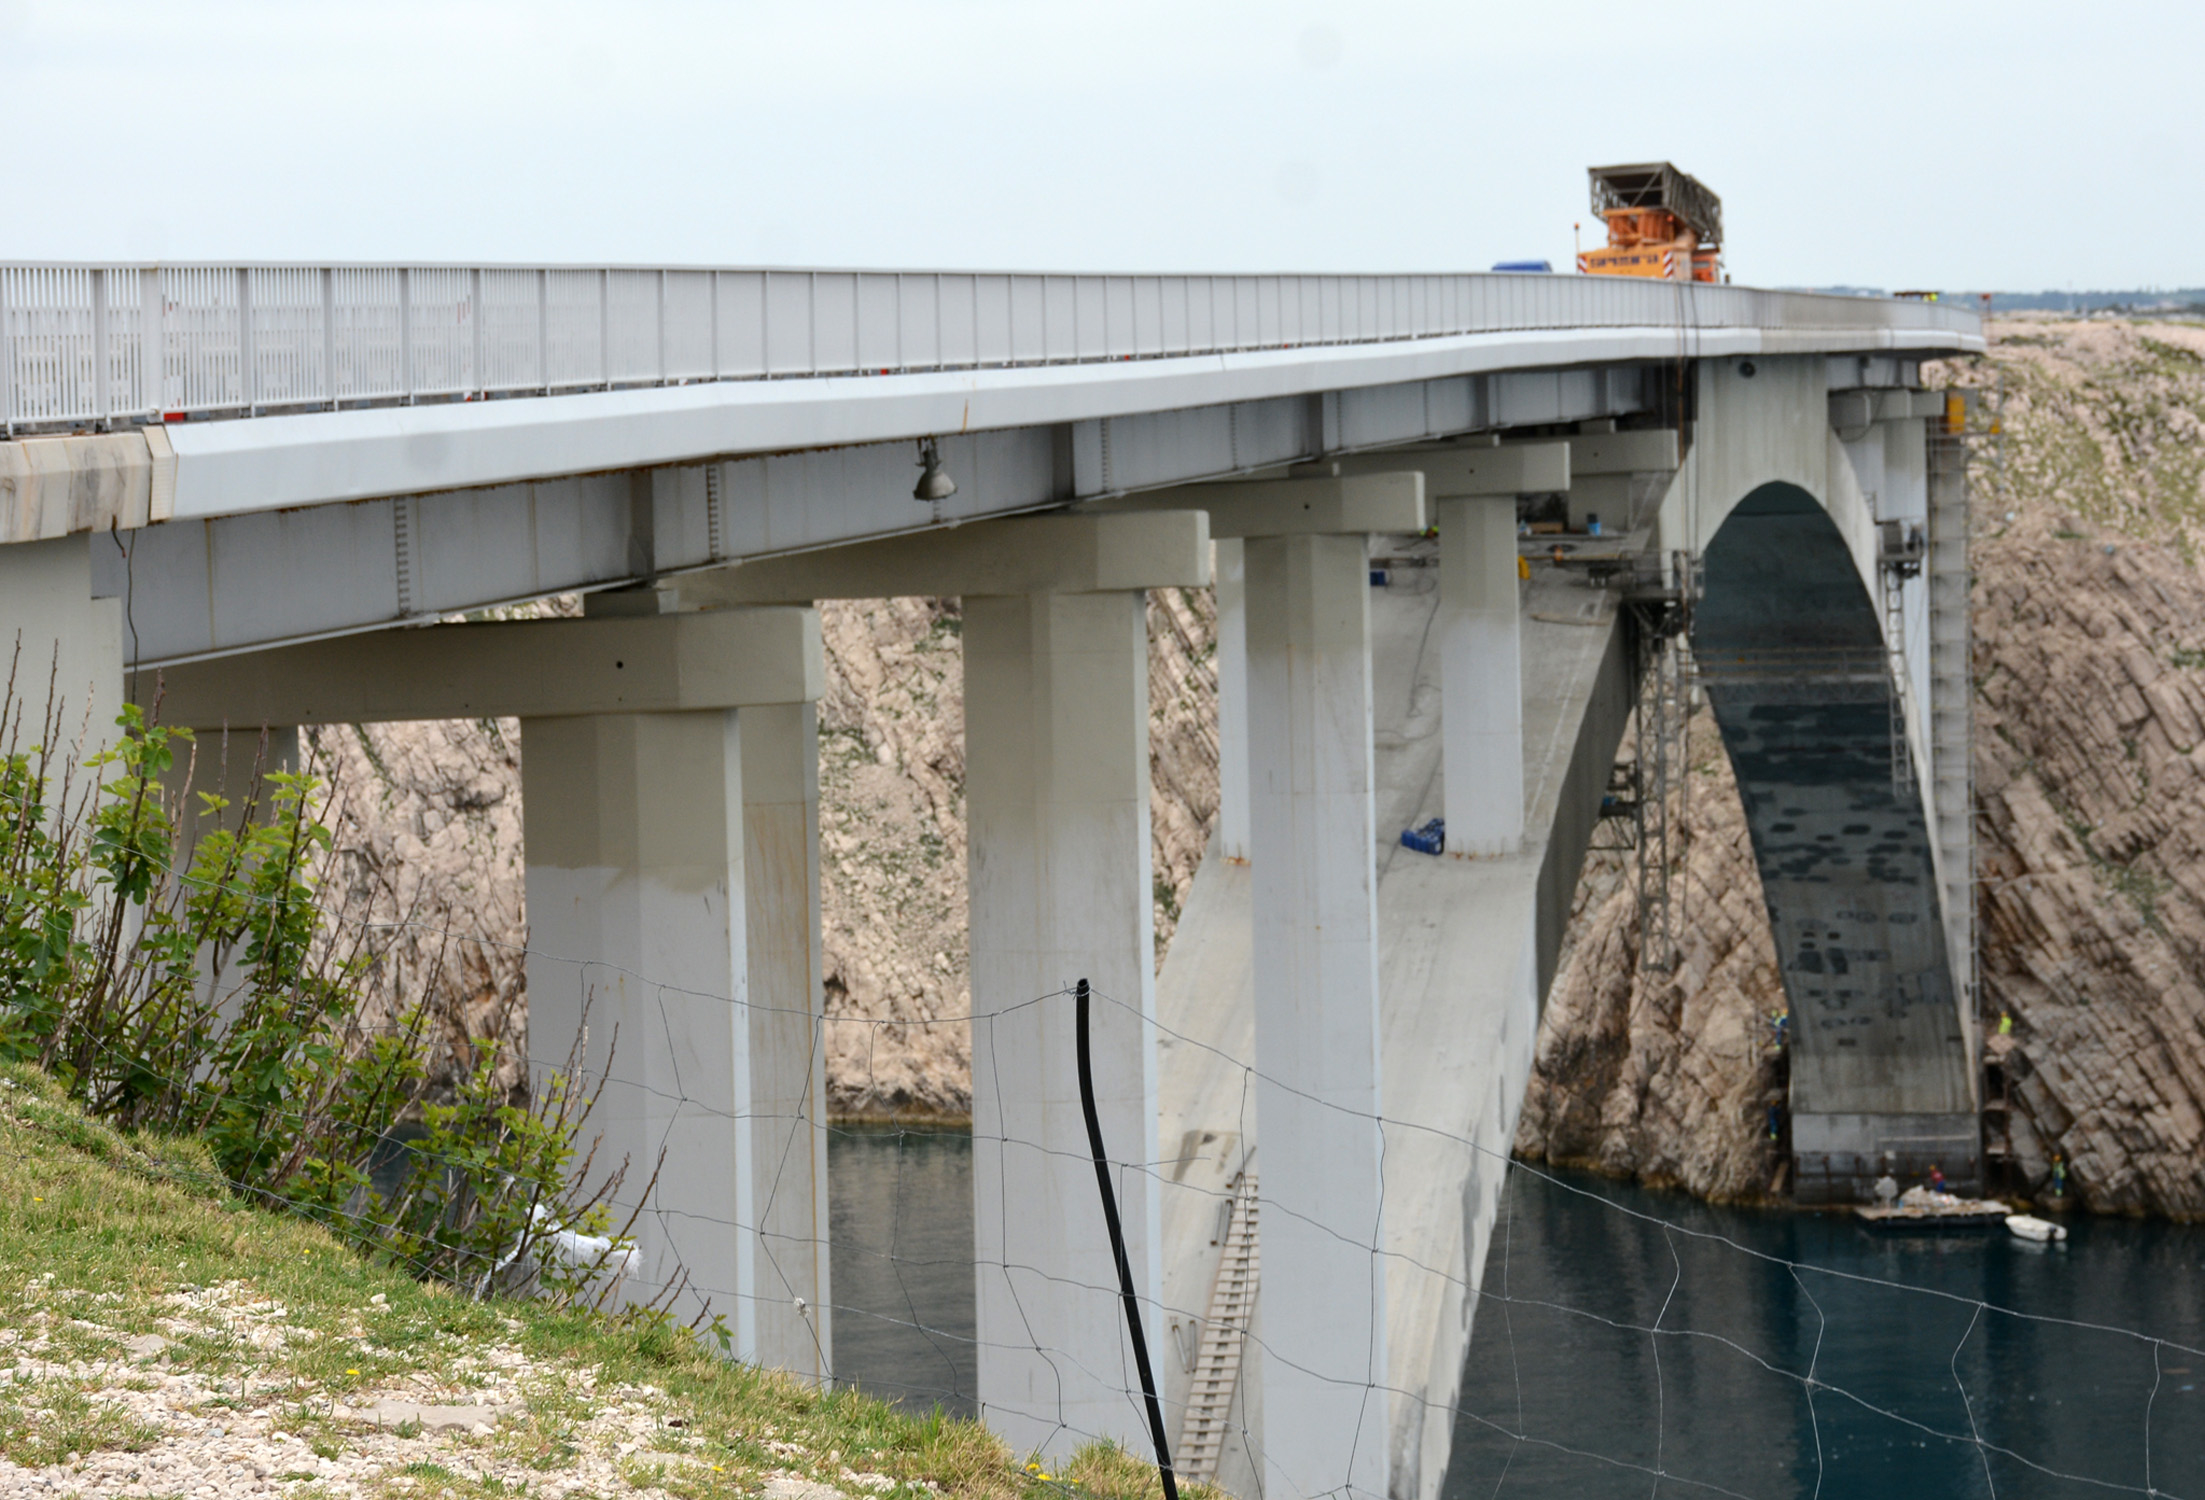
(2029,1227)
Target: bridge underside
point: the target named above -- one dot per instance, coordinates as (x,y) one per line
(1790,651)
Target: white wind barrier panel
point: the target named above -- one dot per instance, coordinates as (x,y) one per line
(513,315)
(84,346)
(284,337)
(574,329)
(689,328)
(440,331)
(369,312)
(633,355)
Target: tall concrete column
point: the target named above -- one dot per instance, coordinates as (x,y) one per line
(1324,1364)
(1057,797)
(1481,696)
(60,642)
(1232,701)
(673,890)
(637,961)
(787,966)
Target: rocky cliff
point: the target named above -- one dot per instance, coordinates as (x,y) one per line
(1667,1076)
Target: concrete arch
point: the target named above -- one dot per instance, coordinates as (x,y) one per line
(1789,643)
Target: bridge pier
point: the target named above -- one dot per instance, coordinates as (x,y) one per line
(1232,700)
(1057,805)
(58,636)
(1057,797)
(1318,1090)
(1482,694)
(674,928)
(670,818)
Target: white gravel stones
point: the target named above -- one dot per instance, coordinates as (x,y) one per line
(248,1446)
(428,1418)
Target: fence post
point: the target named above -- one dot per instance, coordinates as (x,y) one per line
(248,376)
(712,280)
(329,334)
(152,343)
(478,380)
(543,330)
(604,327)
(662,377)
(102,354)
(405,332)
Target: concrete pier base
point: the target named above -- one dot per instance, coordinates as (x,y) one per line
(1324,1367)
(1056,761)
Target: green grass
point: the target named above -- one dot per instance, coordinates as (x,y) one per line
(105,1237)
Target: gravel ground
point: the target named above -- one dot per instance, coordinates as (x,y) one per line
(491,1421)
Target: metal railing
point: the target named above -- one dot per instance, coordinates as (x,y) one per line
(88,346)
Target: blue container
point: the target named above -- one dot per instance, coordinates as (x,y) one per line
(1426,838)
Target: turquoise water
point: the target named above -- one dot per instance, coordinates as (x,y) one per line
(1562,1364)
(1563,1395)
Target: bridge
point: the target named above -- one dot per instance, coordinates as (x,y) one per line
(263,485)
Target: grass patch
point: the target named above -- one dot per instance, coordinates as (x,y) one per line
(275,1326)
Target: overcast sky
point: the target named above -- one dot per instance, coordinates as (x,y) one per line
(2017,146)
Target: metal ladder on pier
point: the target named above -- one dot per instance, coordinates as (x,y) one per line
(1224,1335)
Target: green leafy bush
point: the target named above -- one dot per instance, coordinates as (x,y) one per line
(214,998)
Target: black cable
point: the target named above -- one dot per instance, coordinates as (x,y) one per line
(1117,1248)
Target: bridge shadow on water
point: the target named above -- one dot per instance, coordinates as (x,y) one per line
(1567,1363)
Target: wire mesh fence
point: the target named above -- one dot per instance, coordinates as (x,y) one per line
(1647,1341)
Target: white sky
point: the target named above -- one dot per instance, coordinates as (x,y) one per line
(2016,146)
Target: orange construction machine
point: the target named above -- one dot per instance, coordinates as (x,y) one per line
(1661,223)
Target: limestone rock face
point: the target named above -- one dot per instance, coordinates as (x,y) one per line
(892,858)
(2090,785)
(1667,1076)
(892,835)
(426,875)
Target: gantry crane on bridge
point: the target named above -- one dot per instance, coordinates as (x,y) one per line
(1662,223)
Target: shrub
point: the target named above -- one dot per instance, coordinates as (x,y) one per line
(215,998)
